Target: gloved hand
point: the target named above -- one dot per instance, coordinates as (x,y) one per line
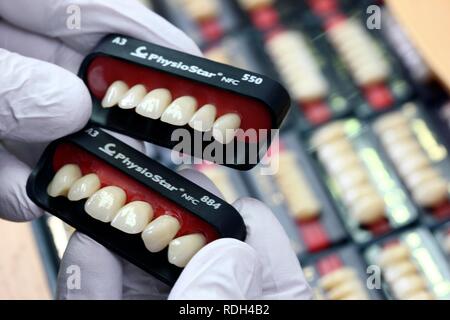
(264,267)
(41,99)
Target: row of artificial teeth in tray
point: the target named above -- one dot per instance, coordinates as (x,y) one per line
(402,274)
(341,161)
(108,204)
(159,104)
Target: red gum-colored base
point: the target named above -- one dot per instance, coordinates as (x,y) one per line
(103,71)
(442,211)
(265,18)
(379,96)
(211,29)
(323,7)
(379,227)
(329,264)
(314,235)
(316,112)
(109,176)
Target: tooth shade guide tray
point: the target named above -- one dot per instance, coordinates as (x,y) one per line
(193,219)
(260,102)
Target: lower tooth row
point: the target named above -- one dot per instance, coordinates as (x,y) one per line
(108,204)
(158,104)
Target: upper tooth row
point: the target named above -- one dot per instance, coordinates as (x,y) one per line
(343,164)
(343,284)
(401,273)
(158,104)
(297,66)
(360,53)
(427,185)
(108,204)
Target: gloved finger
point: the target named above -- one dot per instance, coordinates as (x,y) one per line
(282,275)
(224,269)
(89,271)
(80,24)
(39,47)
(14,202)
(39,101)
(140,285)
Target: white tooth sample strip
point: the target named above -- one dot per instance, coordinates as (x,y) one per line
(160,104)
(343,284)
(429,188)
(359,52)
(108,204)
(297,66)
(401,273)
(340,159)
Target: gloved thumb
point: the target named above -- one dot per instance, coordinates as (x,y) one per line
(224,269)
(39,102)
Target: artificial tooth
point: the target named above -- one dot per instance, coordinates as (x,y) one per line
(84,187)
(393,254)
(431,193)
(63,180)
(180,111)
(447,243)
(335,278)
(345,289)
(105,203)
(182,249)
(154,103)
(158,234)
(420,295)
(418,178)
(114,93)
(407,286)
(399,270)
(133,217)
(392,120)
(203,119)
(329,133)
(225,127)
(350,196)
(368,209)
(352,178)
(133,97)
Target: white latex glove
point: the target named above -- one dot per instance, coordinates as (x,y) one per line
(264,267)
(41,98)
